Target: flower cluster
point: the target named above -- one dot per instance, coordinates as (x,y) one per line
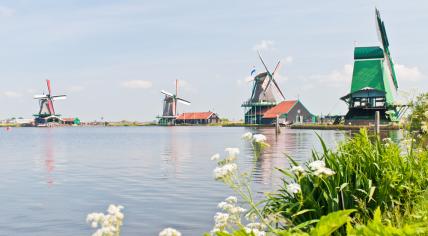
(255,138)
(169,232)
(294,188)
(227,166)
(298,170)
(319,169)
(230,217)
(109,223)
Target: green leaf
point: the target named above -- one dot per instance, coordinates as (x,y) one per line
(303,212)
(305,224)
(343,186)
(331,222)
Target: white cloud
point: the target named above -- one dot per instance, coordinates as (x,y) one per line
(264,45)
(6,11)
(336,78)
(406,73)
(12,94)
(137,84)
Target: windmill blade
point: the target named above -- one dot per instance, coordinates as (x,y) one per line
(261,59)
(267,71)
(59,97)
(40,96)
(274,71)
(167,93)
(276,67)
(381,32)
(185,102)
(380,27)
(279,90)
(48,83)
(50,107)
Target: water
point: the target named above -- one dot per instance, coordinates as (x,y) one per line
(50,179)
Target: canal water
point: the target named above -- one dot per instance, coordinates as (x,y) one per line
(50,179)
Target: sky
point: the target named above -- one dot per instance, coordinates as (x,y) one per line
(112,58)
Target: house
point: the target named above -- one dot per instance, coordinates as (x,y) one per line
(71,121)
(197,118)
(289,111)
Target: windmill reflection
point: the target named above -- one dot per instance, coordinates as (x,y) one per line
(175,151)
(49,158)
(265,166)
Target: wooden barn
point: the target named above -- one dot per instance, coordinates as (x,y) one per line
(288,112)
(196,118)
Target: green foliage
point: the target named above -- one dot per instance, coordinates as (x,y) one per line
(368,174)
(417,116)
(417,122)
(327,225)
(376,227)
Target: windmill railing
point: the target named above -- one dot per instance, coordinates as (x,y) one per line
(250,104)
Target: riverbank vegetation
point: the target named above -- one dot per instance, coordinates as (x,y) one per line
(364,186)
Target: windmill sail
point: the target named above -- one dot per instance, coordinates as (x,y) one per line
(265,87)
(46,102)
(383,38)
(170,103)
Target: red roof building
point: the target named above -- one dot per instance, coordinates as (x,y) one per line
(282,108)
(290,111)
(197,118)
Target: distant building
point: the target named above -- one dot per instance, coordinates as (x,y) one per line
(290,111)
(71,121)
(197,118)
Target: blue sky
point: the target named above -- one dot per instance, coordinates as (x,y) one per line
(113,57)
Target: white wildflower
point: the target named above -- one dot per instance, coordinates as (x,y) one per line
(251,216)
(247,136)
(259,138)
(256,232)
(232,199)
(225,171)
(215,157)
(298,170)
(94,224)
(294,188)
(315,165)
(169,232)
(109,223)
(221,219)
(324,171)
(223,205)
(426,114)
(232,151)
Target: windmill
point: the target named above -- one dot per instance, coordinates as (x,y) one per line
(170,101)
(265,94)
(374,82)
(47,111)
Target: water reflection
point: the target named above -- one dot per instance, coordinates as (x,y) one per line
(49,157)
(296,144)
(162,175)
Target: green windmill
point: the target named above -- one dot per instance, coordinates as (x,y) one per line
(374,83)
